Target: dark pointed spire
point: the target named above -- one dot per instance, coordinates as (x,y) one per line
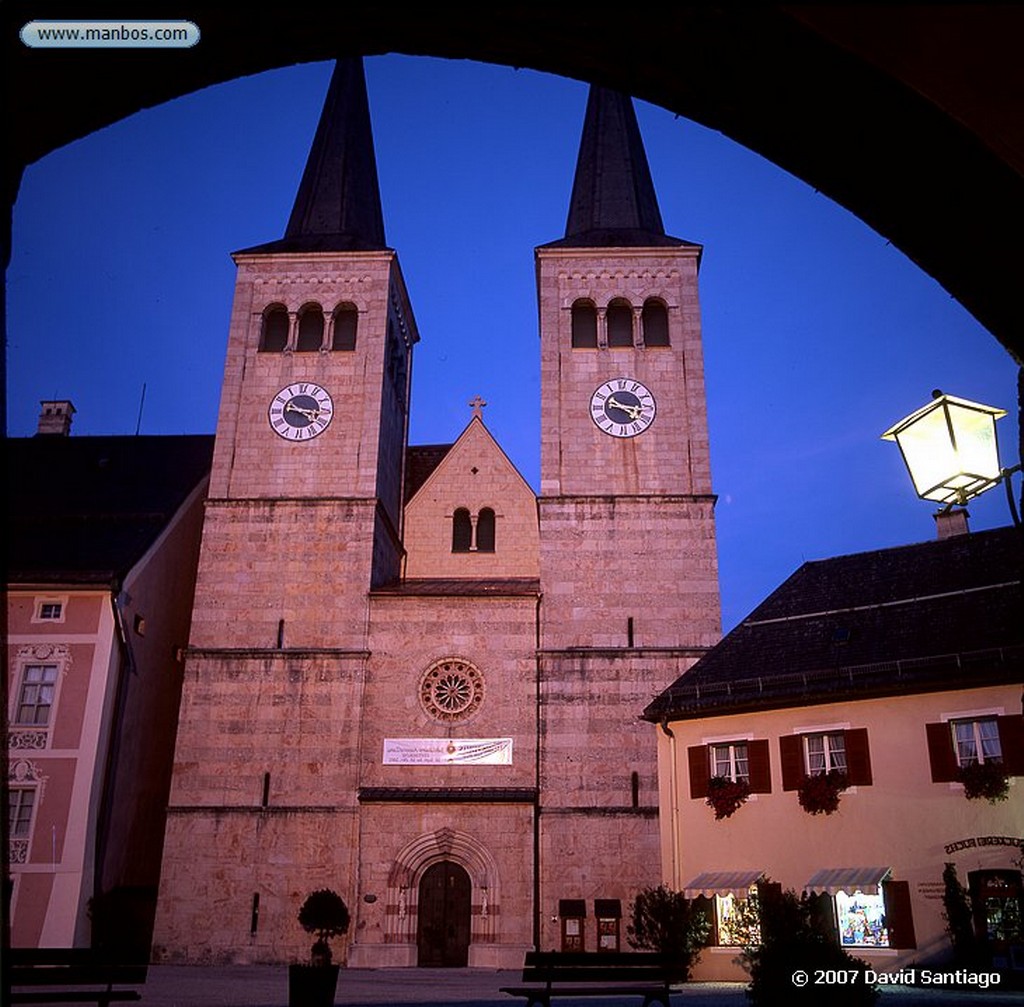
(613,201)
(337,207)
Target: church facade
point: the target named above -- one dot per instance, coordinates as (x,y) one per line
(410,679)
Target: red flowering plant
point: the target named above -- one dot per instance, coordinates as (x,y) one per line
(726,795)
(819,793)
(984,780)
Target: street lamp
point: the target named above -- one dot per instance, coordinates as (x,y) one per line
(949,447)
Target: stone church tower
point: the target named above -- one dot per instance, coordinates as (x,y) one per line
(409,679)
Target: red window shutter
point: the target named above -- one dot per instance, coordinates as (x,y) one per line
(940,752)
(858,758)
(760,767)
(791,760)
(898,916)
(700,770)
(1011,741)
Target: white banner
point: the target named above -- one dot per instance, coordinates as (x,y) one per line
(444,751)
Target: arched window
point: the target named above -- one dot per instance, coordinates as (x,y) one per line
(655,323)
(619,317)
(274,333)
(485,530)
(345,318)
(311,329)
(584,326)
(462,531)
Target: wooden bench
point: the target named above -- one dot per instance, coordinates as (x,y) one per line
(64,975)
(593,974)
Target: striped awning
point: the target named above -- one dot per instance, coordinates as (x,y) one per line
(722,883)
(831,880)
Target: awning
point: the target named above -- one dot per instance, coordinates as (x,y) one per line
(831,880)
(722,883)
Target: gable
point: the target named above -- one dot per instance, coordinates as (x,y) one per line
(474,477)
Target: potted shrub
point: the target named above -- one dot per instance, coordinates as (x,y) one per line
(726,796)
(325,914)
(986,780)
(819,794)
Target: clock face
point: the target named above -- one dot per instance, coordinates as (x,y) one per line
(623,407)
(300,411)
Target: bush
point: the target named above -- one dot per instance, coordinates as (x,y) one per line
(325,914)
(959,917)
(985,780)
(819,794)
(726,796)
(791,942)
(666,921)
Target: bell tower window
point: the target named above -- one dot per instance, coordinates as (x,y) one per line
(344,337)
(654,321)
(311,329)
(274,333)
(584,326)
(619,318)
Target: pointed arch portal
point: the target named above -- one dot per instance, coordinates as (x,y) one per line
(443,924)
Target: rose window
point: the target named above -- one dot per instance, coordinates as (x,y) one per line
(451,689)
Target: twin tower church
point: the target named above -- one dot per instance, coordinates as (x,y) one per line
(410,679)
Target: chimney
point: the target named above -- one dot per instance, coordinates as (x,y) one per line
(55,419)
(952,522)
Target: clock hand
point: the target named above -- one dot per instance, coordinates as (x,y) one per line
(310,414)
(631,411)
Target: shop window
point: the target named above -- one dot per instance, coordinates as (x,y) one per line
(619,319)
(722,897)
(735,760)
(961,741)
(274,332)
(817,752)
(584,326)
(654,321)
(863,907)
(996,897)
(311,329)
(485,530)
(35,696)
(346,318)
(462,531)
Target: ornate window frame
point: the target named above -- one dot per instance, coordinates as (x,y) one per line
(452,690)
(35,737)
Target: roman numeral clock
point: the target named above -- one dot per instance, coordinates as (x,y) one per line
(300,411)
(623,407)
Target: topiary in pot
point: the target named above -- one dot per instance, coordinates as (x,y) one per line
(325,914)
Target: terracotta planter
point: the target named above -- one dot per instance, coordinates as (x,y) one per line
(312,985)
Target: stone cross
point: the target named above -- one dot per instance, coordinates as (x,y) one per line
(477,404)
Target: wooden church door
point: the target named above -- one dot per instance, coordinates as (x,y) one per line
(444,911)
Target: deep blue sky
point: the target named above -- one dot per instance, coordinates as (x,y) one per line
(817,333)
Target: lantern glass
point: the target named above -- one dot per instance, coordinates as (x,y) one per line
(950,448)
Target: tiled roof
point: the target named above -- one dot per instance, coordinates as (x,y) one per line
(83,510)
(912,618)
(420,462)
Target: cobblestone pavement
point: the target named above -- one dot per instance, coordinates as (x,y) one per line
(267,986)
